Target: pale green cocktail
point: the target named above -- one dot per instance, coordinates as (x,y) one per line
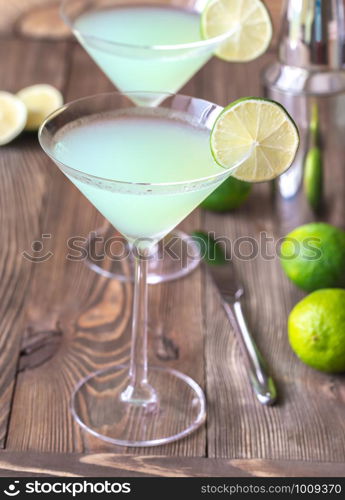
(118,39)
(139,147)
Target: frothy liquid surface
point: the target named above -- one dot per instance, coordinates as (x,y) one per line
(142,25)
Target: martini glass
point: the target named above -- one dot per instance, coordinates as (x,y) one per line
(144,169)
(155,46)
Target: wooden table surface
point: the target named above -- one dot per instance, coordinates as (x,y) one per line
(59,320)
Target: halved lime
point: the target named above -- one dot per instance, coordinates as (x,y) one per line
(260,128)
(13,116)
(40,100)
(249,22)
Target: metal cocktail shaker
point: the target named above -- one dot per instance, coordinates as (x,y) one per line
(309,80)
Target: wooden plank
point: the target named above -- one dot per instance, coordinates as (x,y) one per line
(22,181)
(113,465)
(307,423)
(90,315)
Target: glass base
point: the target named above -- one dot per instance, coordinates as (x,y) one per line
(109,254)
(99,406)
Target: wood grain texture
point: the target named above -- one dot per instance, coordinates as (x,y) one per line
(112,465)
(23,184)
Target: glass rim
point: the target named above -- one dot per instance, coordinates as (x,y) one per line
(67,106)
(165,47)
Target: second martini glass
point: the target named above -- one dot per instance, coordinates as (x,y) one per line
(155,46)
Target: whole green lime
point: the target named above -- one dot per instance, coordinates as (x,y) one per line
(317,330)
(228,196)
(313,256)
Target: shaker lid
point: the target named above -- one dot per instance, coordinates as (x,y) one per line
(296,81)
(313,34)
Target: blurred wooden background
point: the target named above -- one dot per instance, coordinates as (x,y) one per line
(40,18)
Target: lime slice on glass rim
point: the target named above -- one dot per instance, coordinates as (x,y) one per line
(13,117)
(40,100)
(249,23)
(257,127)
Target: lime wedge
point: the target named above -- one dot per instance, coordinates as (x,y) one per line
(249,23)
(313,177)
(12,117)
(259,128)
(314,126)
(40,100)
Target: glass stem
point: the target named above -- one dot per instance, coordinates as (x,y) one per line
(139,391)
